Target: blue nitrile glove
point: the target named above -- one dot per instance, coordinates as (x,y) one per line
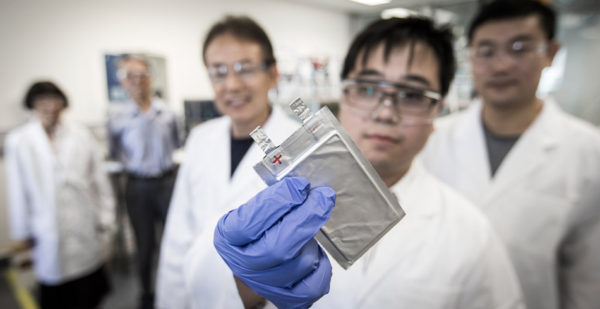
(268,242)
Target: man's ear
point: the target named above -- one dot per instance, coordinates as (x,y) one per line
(553,48)
(439,110)
(441,106)
(274,75)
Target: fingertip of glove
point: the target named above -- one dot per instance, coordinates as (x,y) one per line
(327,193)
(298,183)
(299,187)
(322,200)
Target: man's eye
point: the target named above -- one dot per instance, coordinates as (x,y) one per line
(411,97)
(485,52)
(519,47)
(246,69)
(366,90)
(217,71)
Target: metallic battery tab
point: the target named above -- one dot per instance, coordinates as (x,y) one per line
(325,154)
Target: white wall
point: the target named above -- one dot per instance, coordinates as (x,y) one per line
(65,40)
(4,231)
(578,92)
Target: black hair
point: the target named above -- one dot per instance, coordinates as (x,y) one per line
(508,9)
(397,32)
(41,89)
(241,27)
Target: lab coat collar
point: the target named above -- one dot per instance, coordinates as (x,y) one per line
(526,155)
(411,191)
(532,148)
(244,175)
(59,149)
(42,139)
(254,153)
(470,145)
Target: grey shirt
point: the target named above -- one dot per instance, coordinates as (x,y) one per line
(497,147)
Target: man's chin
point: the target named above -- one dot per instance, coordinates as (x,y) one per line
(496,97)
(500,98)
(380,161)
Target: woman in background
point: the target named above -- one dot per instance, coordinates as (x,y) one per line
(60,202)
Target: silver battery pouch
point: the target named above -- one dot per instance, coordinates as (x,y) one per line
(323,152)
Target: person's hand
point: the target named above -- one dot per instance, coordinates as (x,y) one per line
(22,245)
(268,242)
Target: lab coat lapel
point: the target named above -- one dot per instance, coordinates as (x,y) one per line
(471,154)
(65,152)
(42,143)
(45,164)
(221,163)
(529,153)
(245,181)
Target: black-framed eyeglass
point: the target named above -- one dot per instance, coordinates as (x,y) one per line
(369,94)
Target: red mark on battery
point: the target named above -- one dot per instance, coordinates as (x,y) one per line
(277,159)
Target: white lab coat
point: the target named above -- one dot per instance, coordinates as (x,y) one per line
(544,200)
(59,195)
(191,274)
(442,254)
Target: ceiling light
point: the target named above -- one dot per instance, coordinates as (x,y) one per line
(372,2)
(397,12)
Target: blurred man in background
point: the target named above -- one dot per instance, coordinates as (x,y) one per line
(143,136)
(528,165)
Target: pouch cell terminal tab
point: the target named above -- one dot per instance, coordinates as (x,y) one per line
(301,110)
(264,142)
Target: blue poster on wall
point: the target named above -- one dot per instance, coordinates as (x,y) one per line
(117,94)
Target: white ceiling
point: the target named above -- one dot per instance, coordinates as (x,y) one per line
(563,6)
(360,9)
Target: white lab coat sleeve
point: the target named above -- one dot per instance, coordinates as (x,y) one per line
(579,260)
(18,201)
(172,288)
(493,282)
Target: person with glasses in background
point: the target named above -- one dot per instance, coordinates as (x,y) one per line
(442,254)
(143,136)
(60,202)
(531,168)
(217,173)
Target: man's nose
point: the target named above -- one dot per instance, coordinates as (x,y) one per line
(232,81)
(502,61)
(386,111)
(136,79)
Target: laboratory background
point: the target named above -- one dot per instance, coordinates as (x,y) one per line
(78,43)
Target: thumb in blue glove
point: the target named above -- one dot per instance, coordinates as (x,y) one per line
(268,242)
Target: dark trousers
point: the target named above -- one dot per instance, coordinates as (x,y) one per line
(82,293)
(147,202)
